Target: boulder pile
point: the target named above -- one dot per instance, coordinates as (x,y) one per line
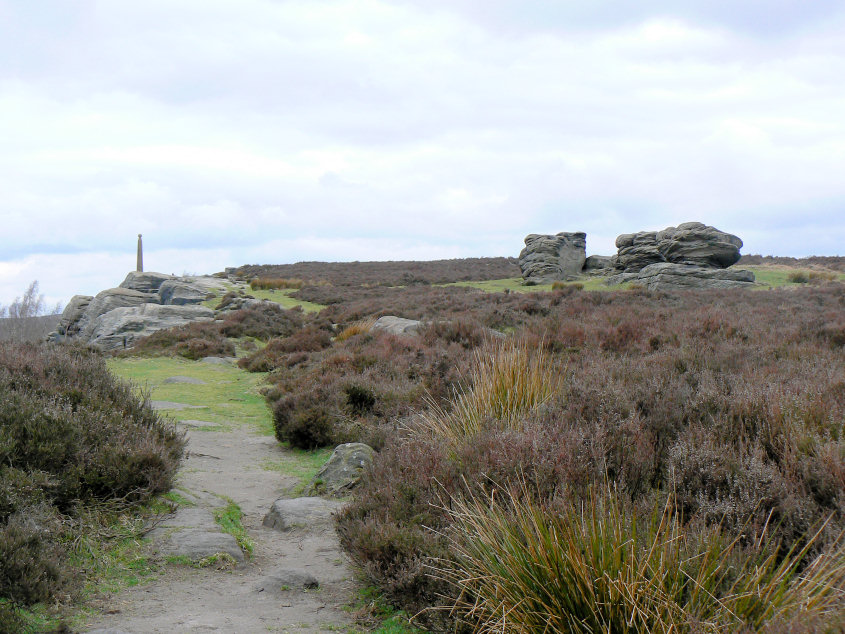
(548,258)
(691,255)
(141,305)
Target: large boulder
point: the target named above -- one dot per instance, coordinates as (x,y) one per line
(179,292)
(598,263)
(342,471)
(145,282)
(69,322)
(397,325)
(665,276)
(691,243)
(547,258)
(108,300)
(121,327)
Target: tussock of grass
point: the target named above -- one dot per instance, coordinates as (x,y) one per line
(507,379)
(229,518)
(357,328)
(595,568)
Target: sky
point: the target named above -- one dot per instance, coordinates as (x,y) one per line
(234,132)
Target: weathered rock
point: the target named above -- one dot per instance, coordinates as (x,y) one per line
(547,258)
(69,323)
(197,544)
(208,283)
(106,301)
(219,360)
(178,292)
(598,263)
(691,243)
(397,325)
(283,579)
(123,326)
(667,276)
(288,514)
(145,282)
(342,471)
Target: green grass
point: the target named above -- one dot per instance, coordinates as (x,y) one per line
(299,463)
(230,397)
(390,620)
(229,518)
(283,298)
(776,276)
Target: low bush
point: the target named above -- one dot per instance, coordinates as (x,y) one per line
(71,437)
(192,341)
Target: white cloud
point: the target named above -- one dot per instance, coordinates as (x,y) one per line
(340,129)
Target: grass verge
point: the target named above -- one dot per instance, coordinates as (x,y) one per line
(299,463)
(229,397)
(229,518)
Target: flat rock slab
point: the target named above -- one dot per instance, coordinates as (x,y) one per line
(189,517)
(289,514)
(219,360)
(158,405)
(197,544)
(184,379)
(283,579)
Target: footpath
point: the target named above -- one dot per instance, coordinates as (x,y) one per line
(297,579)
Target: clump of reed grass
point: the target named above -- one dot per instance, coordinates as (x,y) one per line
(356,328)
(596,567)
(507,381)
(274,283)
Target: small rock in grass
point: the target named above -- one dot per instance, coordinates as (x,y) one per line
(184,379)
(158,405)
(219,360)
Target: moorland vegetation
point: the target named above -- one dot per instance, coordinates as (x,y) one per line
(622,460)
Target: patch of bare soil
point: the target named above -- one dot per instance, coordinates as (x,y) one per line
(271,591)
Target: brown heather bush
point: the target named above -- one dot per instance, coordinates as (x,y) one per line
(275,283)
(732,402)
(71,437)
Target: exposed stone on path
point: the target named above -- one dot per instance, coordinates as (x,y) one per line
(219,360)
(198,423)
(197,545)
(283,579)
(185,379)
(307,512)
(160,405)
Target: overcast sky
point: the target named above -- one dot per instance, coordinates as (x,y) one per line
(259,131)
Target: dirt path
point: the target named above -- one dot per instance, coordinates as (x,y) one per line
(264,594)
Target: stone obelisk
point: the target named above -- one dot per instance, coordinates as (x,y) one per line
(140,264)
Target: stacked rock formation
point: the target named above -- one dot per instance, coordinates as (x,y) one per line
(691,255)
(141,305)
(691,243)
(548,258)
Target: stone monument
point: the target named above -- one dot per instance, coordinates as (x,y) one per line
(139,266)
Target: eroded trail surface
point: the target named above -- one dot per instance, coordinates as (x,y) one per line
(270,592)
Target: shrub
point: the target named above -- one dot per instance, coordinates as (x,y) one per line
(306,421)
(798,277)
(264,321)
(71,437)
(192,341)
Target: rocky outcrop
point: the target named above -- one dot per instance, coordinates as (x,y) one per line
(666,276)
(106,301)
(180,293)
(148,282)
(120,327)
(690,243)
(342,471)
(547,258)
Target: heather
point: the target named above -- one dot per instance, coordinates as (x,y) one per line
(727,408)
(75,446)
